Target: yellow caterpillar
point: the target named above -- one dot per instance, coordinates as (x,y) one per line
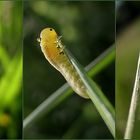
(55,53)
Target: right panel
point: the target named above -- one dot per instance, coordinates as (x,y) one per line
(127,53)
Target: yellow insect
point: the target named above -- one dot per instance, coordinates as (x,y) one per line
(55,53)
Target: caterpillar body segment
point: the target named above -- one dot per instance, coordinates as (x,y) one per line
(55,53)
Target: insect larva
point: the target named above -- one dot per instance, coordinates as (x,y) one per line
(55,53)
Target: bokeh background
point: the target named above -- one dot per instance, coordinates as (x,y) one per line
(127,52)
(10,69)
(88,29)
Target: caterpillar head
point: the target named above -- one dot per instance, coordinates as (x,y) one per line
(49,42)
(47,34)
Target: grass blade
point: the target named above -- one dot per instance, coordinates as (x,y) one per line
(65,91)
(134,104)
(96,95)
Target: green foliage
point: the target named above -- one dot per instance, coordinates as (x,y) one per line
(10,69)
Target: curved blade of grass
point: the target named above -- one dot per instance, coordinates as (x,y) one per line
(98,98)
(65,91)
(135,100)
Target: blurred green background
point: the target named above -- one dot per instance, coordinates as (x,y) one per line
(127,52)
(10,69)
(87,29)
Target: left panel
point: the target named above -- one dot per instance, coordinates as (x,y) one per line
(10,70)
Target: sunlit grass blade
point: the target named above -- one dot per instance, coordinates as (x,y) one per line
(135,101)
(65,91)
